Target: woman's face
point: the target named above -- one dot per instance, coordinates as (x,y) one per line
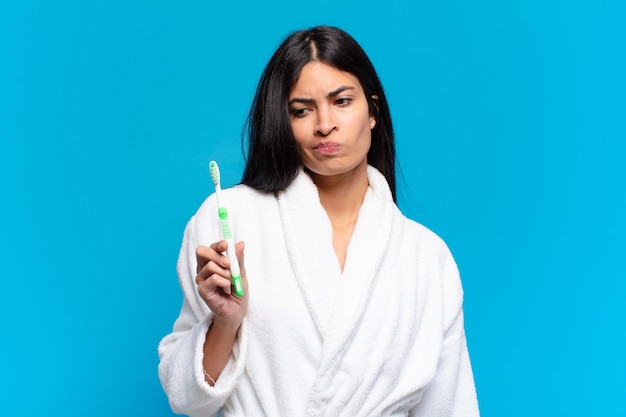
(330,120)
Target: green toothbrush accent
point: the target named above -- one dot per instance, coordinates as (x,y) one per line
(223,213)
(227,234)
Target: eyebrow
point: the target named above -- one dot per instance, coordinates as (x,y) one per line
(333,93)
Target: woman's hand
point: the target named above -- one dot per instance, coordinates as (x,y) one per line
(215,285)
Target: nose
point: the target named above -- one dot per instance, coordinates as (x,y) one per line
(325,121)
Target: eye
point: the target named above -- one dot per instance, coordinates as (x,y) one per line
(343,101)
(300,112)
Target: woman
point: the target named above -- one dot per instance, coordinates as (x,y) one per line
(349,308)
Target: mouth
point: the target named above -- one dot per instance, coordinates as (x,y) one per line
(327,148)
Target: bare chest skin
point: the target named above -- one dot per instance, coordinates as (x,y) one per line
(342,201)
(341,239)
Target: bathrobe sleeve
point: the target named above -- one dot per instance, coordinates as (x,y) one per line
(181,352)
(452,392)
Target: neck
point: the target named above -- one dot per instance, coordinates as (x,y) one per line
(342,195)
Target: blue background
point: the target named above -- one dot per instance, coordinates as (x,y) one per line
(510,120)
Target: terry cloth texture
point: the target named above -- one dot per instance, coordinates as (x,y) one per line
(383,337)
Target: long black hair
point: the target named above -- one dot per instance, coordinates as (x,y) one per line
(272,160)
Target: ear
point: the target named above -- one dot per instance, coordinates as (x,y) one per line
(373,111)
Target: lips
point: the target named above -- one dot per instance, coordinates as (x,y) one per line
(327,148)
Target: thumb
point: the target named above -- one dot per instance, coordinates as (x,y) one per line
(239,250)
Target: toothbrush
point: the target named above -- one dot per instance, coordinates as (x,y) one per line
(227,235)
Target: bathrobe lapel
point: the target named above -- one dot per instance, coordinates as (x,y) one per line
(309,240)
(366,250)
(336,300)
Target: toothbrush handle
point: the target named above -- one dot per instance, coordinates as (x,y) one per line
(235,273)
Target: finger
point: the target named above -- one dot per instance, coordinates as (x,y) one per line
(202,257)
(212,268)
(215,281)
(240,251)
(219,246)
(213,253)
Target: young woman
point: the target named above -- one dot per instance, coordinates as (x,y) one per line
(349,308)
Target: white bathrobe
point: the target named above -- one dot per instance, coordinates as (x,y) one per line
(385,337)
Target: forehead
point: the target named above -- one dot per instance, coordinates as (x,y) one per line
(319,77)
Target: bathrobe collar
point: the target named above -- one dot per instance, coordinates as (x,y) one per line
(336,300)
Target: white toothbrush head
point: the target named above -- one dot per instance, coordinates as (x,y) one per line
(215,173)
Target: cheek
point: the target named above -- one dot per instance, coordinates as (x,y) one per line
(366,129)
(367,143)
(298,133)
(366,137)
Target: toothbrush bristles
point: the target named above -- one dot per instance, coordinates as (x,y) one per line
(215,173)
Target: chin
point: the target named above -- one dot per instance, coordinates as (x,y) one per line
(332,169)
